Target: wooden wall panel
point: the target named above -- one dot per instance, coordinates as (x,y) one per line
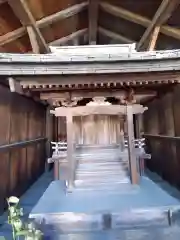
(21,119)
(4,139)
(99,129)
(165,158)
(152,126)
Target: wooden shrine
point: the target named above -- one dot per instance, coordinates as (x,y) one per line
(101,108)
(93,96)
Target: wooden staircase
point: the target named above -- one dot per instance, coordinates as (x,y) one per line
(101,168)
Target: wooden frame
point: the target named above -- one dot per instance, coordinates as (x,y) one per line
(99,109)
(21,144)
(128,110)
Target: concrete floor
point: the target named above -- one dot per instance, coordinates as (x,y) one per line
(31,197)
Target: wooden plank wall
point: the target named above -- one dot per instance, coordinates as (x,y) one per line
(97,129)
(92,129)
(20,119)
(162,126)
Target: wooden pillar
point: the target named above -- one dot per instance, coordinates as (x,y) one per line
(56,169)
(139,131)
(70,150)
(122,147)
(131,149)
(139,125)
(49,133)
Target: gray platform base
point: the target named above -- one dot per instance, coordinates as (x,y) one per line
(141,206)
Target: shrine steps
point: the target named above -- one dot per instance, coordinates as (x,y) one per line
(33,195)
(143,206)
(101,168)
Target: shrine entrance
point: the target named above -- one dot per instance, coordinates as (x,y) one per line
(97,129)
(98,153)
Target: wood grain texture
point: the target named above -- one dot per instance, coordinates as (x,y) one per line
(21,119)
(162,123)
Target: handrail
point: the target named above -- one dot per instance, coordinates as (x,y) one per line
(25,143)
(165,137)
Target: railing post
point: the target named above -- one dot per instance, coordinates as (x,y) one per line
(70,150)
(48,135)
(131,147)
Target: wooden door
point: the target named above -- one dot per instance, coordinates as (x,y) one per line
(97,130)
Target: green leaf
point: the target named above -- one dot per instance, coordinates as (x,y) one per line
(13,200)
(2,238)
(22,233)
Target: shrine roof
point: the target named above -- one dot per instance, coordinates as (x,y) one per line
(91,54)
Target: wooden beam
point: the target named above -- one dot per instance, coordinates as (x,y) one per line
(138,19)
(100,109)
(72,36)
(15,86)
(24,14)
(110,81)
(131,148)
(114,35)
(71,11)
(163,13)
(66,13)
(153,39)
(93,21)
(33,40)
(91,94)
(12,36)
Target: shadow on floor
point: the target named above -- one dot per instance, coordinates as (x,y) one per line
(27,201)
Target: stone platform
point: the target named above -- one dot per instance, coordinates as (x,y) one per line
(80,212)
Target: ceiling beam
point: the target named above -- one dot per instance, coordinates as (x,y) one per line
(115,36)
(138,19)
(33,40)
(93,21)
(161,16)
(71,11)
(153,39)
(72,36)
(24,14)
(66,13)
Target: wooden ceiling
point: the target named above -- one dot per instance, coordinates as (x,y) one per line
(33,25)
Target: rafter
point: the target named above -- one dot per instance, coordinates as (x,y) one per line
(66,13)
(115,36)
(72,36)
(33,40)
(153,39)
(138,19)
(161,16)
(24,14)
(93,21)
(71,11)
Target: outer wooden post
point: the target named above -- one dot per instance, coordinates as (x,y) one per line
(139,130)
(70,150)
(131,149)
(139,125)
(49,130)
